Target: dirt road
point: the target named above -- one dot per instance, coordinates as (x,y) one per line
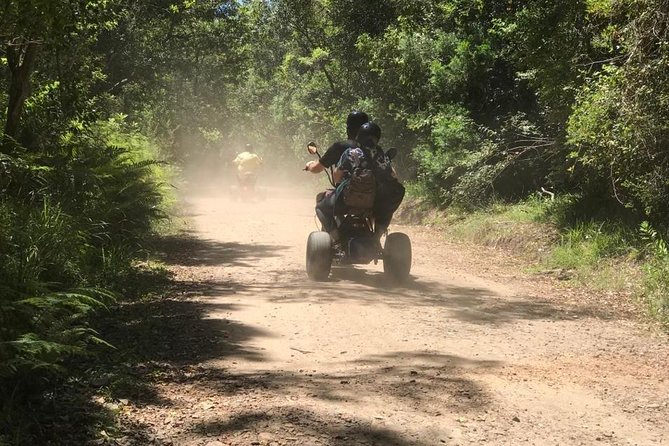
(452,358)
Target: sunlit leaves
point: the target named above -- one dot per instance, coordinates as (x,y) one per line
(619,123)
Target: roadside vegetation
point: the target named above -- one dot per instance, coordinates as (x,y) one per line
(81,191)
(600,255)
(490,102)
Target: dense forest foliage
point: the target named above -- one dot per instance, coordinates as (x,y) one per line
(488,100)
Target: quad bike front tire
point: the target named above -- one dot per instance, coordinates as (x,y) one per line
(397,256)
(319,255)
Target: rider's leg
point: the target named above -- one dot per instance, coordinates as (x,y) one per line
(381,223)
(251,180)
(325,211)
(389,196)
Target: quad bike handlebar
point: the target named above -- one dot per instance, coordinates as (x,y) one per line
(312,148)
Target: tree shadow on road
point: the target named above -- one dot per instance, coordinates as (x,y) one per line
(161,339)
(303,427)
(479,306)
(187,249)
(322,408)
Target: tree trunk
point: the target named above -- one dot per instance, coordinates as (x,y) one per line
(20,58)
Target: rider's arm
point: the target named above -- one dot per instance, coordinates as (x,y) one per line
(338,175)
(315,167)
(333,153)
(329,158)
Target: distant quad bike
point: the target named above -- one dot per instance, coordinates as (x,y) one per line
(356,244)
(246,188)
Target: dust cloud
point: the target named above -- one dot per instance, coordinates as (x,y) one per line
(207,167)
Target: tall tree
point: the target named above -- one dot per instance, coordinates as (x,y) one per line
(29,28)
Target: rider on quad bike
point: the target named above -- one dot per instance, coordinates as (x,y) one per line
(357,213)
(324,203)
(388,192)
(248,163)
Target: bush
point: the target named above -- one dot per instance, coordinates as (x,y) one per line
(449,154)
(472,166)
(619,125)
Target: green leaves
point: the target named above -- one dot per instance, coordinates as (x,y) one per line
(619,121)
(53,328)
(77,301)
(655,244)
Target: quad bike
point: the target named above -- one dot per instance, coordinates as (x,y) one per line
(246,188)
(356,245)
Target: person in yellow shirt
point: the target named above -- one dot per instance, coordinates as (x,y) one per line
(248,163)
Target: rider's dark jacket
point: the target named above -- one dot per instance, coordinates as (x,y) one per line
(333,154)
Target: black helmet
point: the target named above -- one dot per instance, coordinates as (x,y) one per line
(369,134)
(353,122)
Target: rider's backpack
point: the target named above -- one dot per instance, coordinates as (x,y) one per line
(360,191)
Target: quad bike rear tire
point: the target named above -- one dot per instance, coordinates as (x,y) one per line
(319,255)
(397,257)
